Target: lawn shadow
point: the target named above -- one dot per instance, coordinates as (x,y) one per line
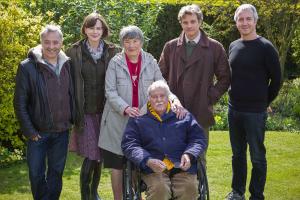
(14,178)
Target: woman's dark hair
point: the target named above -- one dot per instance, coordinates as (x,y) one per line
(91,20)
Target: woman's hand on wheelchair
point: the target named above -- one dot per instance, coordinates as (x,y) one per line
(156,165)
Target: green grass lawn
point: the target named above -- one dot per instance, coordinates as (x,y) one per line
(283,179)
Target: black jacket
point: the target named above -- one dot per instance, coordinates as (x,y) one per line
(30,100)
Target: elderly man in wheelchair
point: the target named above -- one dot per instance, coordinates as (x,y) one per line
(165,148)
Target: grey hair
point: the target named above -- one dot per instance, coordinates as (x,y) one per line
(51,28)
(131,32)
(189,10)
(159,84)
(244,7)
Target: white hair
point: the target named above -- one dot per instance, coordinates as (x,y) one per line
(131,32)
(159,84)
(244,7)
(51,28)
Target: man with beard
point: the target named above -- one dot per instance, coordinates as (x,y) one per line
(44,105)
(164,147)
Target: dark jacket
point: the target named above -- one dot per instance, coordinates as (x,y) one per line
(31,101)
(75,53)
(145,137)
(200,80)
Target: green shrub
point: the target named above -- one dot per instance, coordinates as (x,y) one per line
(288,101)
(220,114)
(9,157)
(286,110)
(286,107)
(168,28)
(277,122)
(19,31)
(118,13)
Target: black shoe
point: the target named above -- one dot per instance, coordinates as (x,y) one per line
(233,195)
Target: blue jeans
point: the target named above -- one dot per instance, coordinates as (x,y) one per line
(54,148)
(248,128)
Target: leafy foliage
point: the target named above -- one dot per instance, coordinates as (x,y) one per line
(287,104)
(279,19)
(118,13)
(220,114)
(286,110)
(8,157)
(19,32)
(296,46)
(165,31)
(288,101)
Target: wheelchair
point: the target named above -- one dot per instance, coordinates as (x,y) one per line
(132,189)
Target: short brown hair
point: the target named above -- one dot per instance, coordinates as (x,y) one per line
(189,10)
(91,20)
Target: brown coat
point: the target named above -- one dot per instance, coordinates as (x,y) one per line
(192,80)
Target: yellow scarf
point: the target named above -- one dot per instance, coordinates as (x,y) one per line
(152,111)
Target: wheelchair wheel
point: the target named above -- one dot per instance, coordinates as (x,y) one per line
(127,181)
(203,182)
(130,191)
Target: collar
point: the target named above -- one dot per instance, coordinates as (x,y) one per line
(204,39)
(96,51)
(196,39)
(36,53)
(54,68)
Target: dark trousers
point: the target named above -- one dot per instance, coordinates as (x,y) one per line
(248,128)
(50,149)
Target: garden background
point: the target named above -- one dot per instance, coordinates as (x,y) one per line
(22,20)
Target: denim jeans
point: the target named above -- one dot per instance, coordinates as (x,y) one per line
(50,149)
(248,128)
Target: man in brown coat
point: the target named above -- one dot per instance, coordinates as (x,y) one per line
(195,67)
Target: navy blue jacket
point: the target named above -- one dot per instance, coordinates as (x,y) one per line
(145,137)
